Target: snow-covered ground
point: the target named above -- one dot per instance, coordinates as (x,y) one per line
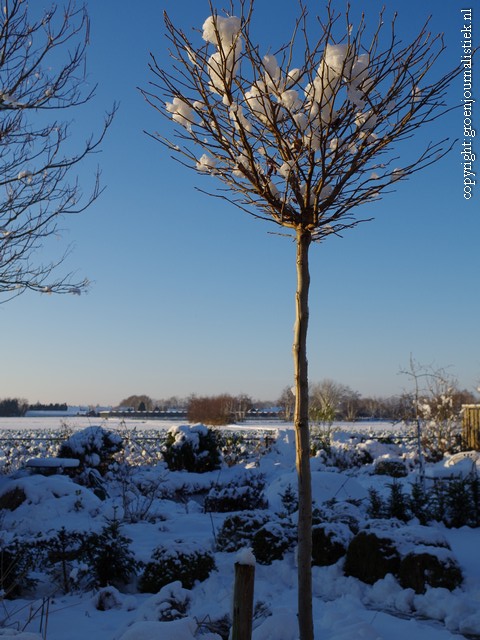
(344,607)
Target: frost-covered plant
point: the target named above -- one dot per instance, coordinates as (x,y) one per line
(420,502)
(237,531)
(397,503)
(376,507)
(94,447)
(192,448)
(17,559)
(181,561)
(64,554)
(320,439)
(109,556)
(272,540)
(441,430)
(462,504)
(269,537)
(389,467)
(233,448)
(107,598)
(171,602)
(455,502)
(139,493)
(289,500)
(237,496)
(329,542)
(345,452)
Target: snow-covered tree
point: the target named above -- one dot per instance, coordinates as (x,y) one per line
(42,74)
(300,137)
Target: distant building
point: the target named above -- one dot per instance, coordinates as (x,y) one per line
(69,412)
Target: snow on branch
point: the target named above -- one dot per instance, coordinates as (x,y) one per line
(302,136)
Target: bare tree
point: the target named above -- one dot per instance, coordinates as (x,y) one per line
(287,403)
(138,402)
(42,74)
(329,400)
(434,407)
(300,138)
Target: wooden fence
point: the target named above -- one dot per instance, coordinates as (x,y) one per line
(471,426)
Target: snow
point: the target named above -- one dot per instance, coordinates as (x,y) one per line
(245,556)
(224,33)
(181,113)
(52,463)
(344,608)
(221,31)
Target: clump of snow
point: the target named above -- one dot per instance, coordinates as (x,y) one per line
(221,31)
(188,433)
(337,58)
(181,112)
(245,556)
(206,164)
(224,33)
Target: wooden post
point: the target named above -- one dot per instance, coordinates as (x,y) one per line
(243,601)
(471,426)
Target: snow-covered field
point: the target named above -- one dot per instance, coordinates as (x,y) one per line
(344,607)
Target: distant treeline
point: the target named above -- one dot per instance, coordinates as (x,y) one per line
(15,407)
(53,406)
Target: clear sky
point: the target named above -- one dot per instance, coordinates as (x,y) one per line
(191,295)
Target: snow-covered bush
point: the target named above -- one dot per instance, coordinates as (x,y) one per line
(12,498)
(460,499)
(389,467)
(269,537)
(183,562)
(193,449)
(93,446)
(320,439)
(17,559)
(370,557)
(238,530)
(455,502)
(109,556)
(237,497)
(170,603)
(107,598)
(141,491)
(289,500)
(429,568)
(345,451)
(418,556)
(329,543)
(441,430)
(272,540)
(63,559)
(233,448)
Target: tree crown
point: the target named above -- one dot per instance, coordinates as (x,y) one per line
(304,135)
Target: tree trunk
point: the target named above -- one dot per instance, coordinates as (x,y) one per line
(302,440)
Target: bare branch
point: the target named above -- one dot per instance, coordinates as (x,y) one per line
(35,185)
(301,146)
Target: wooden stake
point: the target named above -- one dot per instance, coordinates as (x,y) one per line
(243,601)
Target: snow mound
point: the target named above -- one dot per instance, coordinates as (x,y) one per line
(52,501)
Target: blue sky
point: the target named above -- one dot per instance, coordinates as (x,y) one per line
(191,295)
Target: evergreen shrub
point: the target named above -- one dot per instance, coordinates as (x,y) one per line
(183,562)
(195,449)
